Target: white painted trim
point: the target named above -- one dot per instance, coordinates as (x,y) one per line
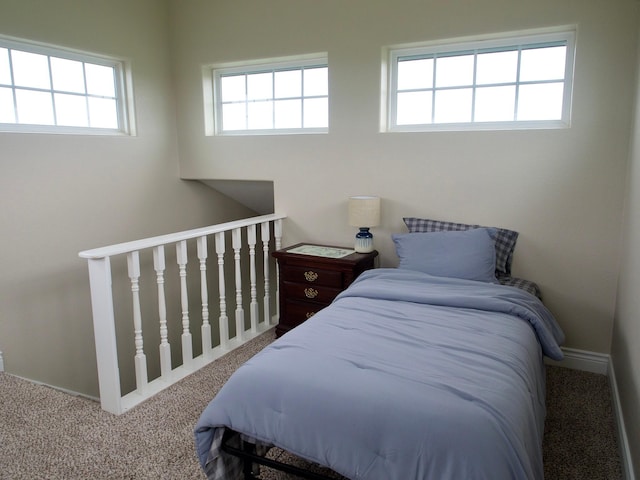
(623,441)
(513,41)
(1,362)
(60,389)
(582,360)
(122,94)
(151,242)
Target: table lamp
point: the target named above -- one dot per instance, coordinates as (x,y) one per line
(364,213)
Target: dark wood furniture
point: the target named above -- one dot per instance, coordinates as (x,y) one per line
(308,283)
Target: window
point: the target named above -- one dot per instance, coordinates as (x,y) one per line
(289,96)
(45,89)
(515,82)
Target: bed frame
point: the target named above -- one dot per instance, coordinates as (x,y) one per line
(247,453)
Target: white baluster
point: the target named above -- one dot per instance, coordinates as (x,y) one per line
(133,264)
(165,348)
(251,240)
(236,236)
(187,347)
(223,321)
(277,233)
(206,327)
(265,234)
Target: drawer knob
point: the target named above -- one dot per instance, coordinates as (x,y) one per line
(310,314)
(310,292)
(311,276)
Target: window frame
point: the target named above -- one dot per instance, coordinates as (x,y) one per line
(513,41)
(213,73)
(123,86)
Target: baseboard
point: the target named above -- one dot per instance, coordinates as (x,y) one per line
(60,389)
(623,441)
(582,360)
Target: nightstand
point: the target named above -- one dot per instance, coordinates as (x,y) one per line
(311,276)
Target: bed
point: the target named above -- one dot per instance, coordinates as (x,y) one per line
(408,374)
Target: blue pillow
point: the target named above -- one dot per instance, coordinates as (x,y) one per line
(468,254)
(505,239)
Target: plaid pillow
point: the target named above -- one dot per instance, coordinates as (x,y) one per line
(505,239)
(521,283)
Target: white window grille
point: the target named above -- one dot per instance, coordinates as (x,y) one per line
(514,82)
(284,96)
(55,90)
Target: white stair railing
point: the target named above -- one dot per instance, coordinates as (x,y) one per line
(102,300)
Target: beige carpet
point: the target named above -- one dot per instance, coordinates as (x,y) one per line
(47,434)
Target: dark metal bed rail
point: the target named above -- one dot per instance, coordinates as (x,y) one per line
(247,453)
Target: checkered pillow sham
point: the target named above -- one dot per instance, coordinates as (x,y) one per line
(521,283)
(505,239)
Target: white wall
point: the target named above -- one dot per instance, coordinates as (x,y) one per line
(561,189)
(625,353)
(64,193)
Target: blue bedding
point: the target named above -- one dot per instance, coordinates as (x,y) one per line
(405,376)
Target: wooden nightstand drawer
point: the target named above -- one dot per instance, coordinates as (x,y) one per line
(312,293)
(299,312)
(315,276)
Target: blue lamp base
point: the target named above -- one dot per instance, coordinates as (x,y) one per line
(364,241)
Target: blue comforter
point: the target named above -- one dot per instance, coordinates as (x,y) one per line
(405,376)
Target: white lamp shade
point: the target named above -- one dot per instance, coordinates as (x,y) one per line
(364,211)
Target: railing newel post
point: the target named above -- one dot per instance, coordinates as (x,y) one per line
(104,331)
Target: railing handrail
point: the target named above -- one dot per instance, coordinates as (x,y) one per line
(126,247)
